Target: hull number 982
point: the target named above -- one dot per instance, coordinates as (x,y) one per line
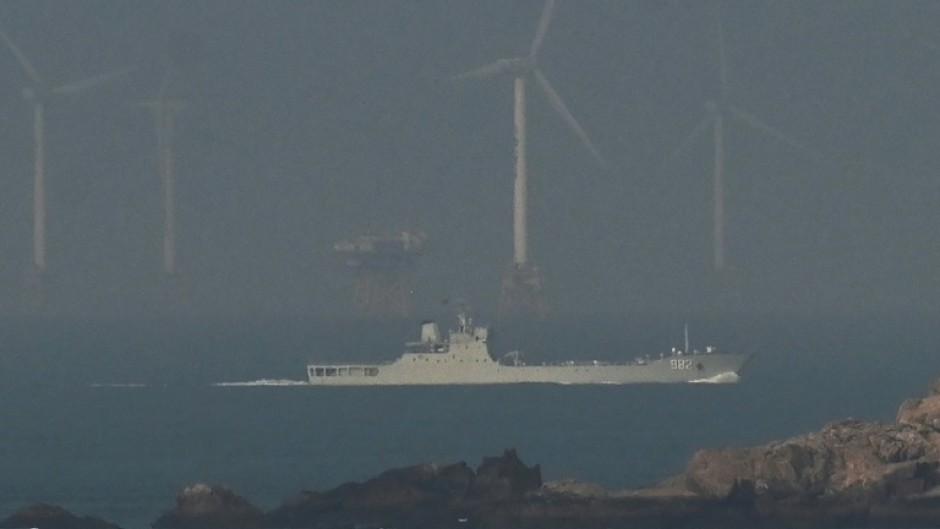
(681,363)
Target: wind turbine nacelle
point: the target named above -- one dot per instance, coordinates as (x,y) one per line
(520,66)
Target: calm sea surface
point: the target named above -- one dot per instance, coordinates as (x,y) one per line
(111,419)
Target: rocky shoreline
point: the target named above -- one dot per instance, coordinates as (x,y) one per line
(848,474)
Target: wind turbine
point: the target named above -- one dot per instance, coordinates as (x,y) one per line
(717,112)
(40,95)
(164,109)
(523,284)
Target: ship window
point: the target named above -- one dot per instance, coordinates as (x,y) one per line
(331,371)
(355,371)
(372,371)
(320,371)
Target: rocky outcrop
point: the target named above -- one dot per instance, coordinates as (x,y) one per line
(922,411)
(848,474)
(417,496)
(45,516)
(204,506)
(844,458)
(411,496)
(504,477)
(503,492)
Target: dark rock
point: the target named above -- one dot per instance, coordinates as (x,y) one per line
(550,509)
(412,486)
(415,496)
(504,477)
(430,495)
(45,516)
(848,474)
(203,506)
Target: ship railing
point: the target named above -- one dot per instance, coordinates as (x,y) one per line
(343,371)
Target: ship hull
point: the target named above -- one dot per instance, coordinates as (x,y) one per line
(464,359)
(428,370)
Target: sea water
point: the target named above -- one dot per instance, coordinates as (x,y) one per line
(112,419)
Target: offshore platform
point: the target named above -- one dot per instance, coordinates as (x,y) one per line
(381,264)
(522,292)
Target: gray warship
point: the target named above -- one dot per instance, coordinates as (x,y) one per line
(463,358)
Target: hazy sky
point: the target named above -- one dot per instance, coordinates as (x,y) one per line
(312,122)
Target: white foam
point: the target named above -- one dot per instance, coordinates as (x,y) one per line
(729,377)
(263,382)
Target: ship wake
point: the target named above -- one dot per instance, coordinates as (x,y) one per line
(728,377)
(277,382)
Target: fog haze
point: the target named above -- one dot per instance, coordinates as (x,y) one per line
(313,122)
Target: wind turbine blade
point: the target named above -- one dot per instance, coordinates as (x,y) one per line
(494,68)
(30,70)
(696,132)
(755,122)
(544,22)
(91,82)
(722,56)
(565,114)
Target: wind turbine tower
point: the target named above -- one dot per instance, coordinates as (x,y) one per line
(165,108)
(381,263)
(522,289)
(39,95)
(718,114)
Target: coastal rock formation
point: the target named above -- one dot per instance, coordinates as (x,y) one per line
(844,458)
(500,478)
(503,492)
(408,496)
(210,507)
(45,516)
(924,410)
(417,496)
(848,474)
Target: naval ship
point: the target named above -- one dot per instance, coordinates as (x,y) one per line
(464,358)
